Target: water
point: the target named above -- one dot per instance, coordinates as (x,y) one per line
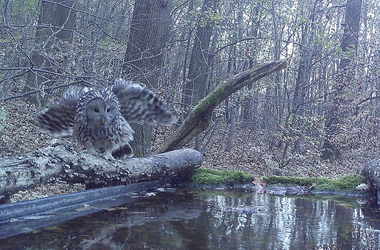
(196,219)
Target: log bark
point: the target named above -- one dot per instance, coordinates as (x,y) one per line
(63,163)
(371,171)
(200,117)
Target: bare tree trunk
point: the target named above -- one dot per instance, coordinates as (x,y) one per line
(248,109)
(238,67)
(96,38)
(150,29)
(230,138)
(122,19)
(55,23)
(199,68)
(196,82)
(349,43)
(303,75)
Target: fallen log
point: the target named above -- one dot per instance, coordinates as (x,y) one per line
(371,171)
(63,163)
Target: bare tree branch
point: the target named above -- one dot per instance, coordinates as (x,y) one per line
(199,119)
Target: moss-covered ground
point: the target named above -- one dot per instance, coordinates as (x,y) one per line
(347,182)
(206,176)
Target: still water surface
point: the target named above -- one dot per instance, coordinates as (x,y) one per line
(201,219)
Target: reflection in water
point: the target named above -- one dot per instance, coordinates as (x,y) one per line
(215,220)
(277,222)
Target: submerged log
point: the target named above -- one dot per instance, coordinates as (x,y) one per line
(21,217)
(64,163)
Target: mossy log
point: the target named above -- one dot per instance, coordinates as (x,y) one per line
(200,117)
(64,163)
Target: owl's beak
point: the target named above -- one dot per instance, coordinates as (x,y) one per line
(102,120)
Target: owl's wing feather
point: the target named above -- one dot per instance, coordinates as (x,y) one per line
(58,120)
(139,104)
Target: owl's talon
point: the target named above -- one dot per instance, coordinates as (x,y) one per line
(108,156)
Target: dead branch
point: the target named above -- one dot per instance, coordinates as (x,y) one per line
(199,118)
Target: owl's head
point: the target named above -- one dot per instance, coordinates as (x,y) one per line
(101,112)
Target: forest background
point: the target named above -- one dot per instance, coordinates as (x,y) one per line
(319,117)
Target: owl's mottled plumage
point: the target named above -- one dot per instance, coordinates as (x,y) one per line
(99,118)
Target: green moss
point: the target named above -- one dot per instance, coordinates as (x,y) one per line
(347,182)
(209,100)
(206,176)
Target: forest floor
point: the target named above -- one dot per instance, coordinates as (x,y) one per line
(251,152)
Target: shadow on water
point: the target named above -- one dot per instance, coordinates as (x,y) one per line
(200,219)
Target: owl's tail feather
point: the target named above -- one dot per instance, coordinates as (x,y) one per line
(124,151)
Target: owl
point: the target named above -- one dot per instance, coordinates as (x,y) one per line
(98,118)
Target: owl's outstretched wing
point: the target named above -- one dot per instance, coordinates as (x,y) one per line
(139,104)
(58,120)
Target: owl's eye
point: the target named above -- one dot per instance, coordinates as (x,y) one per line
(96,110)
(108,110)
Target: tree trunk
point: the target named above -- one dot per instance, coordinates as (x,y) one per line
(149,33)
(230,139)
(200,117)
(196,82)
(56,20)
(349,43)
(55,23)
(150,29)
(199,69)
(304,68)
(248,109)
(64,163)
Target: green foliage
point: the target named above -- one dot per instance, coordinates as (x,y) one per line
(206,176)
(347,182)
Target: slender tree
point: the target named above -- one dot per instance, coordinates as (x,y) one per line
(199,67)
(349,44)
(200,64)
